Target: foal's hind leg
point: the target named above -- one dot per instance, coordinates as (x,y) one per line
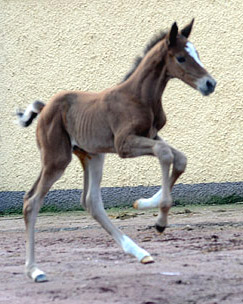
(95,206)
(32,203)
(83,156)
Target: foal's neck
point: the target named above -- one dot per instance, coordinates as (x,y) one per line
(148,81)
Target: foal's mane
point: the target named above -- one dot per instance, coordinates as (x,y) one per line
(157,38)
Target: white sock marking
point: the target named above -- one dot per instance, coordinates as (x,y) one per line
(193,53)
(37,272)
(152,202)
(132,248)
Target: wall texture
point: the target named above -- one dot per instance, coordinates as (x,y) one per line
(47,46)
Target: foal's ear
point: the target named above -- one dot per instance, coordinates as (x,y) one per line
(173,34)
(187,29)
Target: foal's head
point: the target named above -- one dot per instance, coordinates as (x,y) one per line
(183,62)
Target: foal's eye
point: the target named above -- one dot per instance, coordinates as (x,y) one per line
(181,59)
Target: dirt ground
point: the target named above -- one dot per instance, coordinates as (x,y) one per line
(198,259)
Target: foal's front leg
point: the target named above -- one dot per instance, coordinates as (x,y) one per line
(94,204)
(179,166)
(132,146)
(150,202)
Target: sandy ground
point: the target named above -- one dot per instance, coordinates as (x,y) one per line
(199,259)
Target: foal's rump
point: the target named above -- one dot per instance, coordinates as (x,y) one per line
(79,116)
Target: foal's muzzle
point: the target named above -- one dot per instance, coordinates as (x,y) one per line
(206,85)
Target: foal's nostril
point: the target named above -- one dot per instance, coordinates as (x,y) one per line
(209,84)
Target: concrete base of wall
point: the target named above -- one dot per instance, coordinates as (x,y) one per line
(208,193)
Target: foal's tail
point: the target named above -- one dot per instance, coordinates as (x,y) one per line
(26,117)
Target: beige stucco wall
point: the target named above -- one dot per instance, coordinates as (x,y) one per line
(47,46)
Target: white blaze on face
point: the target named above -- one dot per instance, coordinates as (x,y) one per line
(193,53)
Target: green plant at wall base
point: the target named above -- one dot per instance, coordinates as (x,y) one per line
(213,200)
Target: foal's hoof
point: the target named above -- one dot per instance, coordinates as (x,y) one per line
(135,205)
(160,229)
(147,260)
(41,278)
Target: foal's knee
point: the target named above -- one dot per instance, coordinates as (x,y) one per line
(180,162)
(164,153)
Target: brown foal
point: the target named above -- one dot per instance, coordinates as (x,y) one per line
(124,119)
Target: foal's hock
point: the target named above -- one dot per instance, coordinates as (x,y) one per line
(124,119)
